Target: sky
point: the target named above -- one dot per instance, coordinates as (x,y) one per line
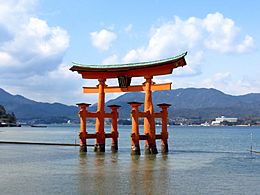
(39,40)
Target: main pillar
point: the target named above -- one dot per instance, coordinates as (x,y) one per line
(114,131)
(135,148)
(149,123)
(83,131)
(164,133)
(100,132)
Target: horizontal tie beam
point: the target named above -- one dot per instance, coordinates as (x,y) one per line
(134,88)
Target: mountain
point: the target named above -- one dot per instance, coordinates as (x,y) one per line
(189,103)
(37,112)
(196,103)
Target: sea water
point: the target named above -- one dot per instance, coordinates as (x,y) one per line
(201,160)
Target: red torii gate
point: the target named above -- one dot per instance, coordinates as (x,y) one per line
(124,73)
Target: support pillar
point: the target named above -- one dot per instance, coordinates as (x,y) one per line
(100,132)
(135,148)
(149,122)
(83,131)
(114,131)
(164,133)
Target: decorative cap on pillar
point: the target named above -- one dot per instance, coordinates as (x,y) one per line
(135,103)
(83,104)
(113,106)
(164,105)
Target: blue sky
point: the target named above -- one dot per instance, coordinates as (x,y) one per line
(40,39)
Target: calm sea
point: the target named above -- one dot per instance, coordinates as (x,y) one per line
(202,160)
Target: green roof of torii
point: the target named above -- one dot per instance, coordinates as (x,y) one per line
(100,67)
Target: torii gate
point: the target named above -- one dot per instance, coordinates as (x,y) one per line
(124,73)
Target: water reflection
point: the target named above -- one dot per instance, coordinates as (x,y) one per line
(149,174)
(134,179)
(114,158)
(82,171)
(97,173)
(144,175)
(105,173)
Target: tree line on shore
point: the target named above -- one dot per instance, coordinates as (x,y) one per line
(7,119)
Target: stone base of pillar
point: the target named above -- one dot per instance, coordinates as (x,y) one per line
(150,149)
(83,148)
(164,148)
(114,147)
(135,150)
(99,148)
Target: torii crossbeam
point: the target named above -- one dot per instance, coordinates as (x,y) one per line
(124,73)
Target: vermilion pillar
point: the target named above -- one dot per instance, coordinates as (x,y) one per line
(164,133)
(135,149)
(83,132)
(149,123)
(114,131)
(100,132)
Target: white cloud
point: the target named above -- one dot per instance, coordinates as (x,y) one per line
(31,55)
(44,41)
(6,60)
(128,28)
(12,10)
(167,40)
(197,35)
(59,85)
(193,67)
(113,59)
(32,46)
(103,39)
(225,82)
(248,42)
(223,36)
(221,78)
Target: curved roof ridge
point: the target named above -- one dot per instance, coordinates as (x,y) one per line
(97,66)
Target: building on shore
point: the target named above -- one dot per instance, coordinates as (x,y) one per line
(221,120)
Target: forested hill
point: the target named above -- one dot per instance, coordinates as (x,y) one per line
(6,117)
(38,112)
(196,103)
(186,103)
